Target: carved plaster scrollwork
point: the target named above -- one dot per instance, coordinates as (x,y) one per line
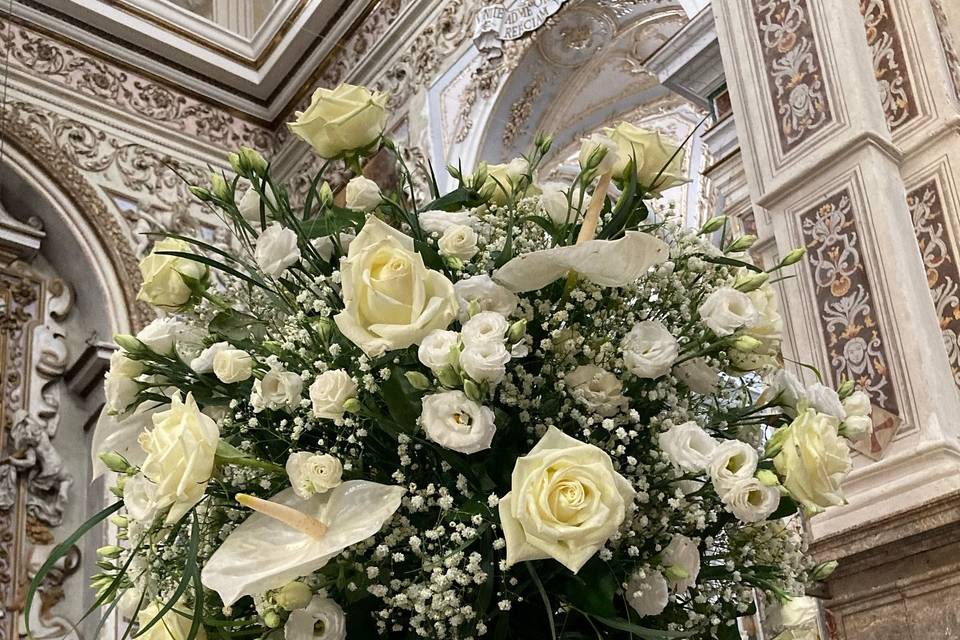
(950,48)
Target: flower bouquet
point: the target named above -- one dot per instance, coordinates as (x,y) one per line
(514,410)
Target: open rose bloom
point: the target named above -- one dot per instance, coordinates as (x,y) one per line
(514,410)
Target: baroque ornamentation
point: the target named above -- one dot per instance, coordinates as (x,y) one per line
(943,275)
(521,109)
(950,48)
(889,62)
(794,69)
(846,312)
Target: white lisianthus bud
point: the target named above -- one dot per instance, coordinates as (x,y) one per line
(733,461)
(247,160)
(649,350)
(122,365)
(276,250)
(857,404)
(485,361)
(751,501)
(741,244)
(597,390)
(647,593)
(456,422)
(713,224)
(249,204)
(203,363)
(435,350)
(598,153)
(726,310)
(160,336)
(459,242)
(218,186)
(486,326)
(120,392)
(486,294)
(553,202)
(322,619)
(329,393)
(682,559)
(504,179)
(417,380)
(822,398)
(793,257)
(688,446)
(293,595)
(312,473)
(278,389)
(439,222)
(232,365)
(362,194)
(343,120)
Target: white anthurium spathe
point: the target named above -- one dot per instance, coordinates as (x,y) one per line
(119,433)
(608,263)
(298,537)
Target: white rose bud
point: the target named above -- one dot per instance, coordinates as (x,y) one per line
(120,391)
(485,361)
(733,461)
(456,422)
(160,335)
(169,281)
(647,593)
(232,365)
(324,245)
(249,204)
(278,389)
(312,473)
(330,391)
(688,446)
(203,363)
(434,350)
(362,194)
(726,310)
(751,501)
(649,350)
(122,365)
(341,120)
(293,595)
(458,242)
(598,151)
(486,326)
(659,162)
(553,202)
(439,222)
(276,250)
(503,179)
(487,296)
(597,390)
(822,398)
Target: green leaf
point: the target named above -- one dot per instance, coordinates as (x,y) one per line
(787,508)
(210,262)
(544,597)
(402,400)
(333,221)
(430,256)
(456,200)
(638,631)
(730,262)
(728,632)
(592,589)
(238,326)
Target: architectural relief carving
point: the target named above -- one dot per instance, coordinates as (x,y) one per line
(846,313)
(939,257)
(950,48)
(521,109)
(793,67)
(889,62)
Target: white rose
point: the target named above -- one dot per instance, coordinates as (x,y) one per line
(503,179)
(649,350)
(767,327)
(751,501)
(276,249)
(391,300)
(434,350)
(486,326)
(330,391)
(120,392)
(553,202)
(232,365)
(698,376)
(324,244)
(140,498)
(323,619)
(726,310)
(458,242)
(485,361)
(857,424)
(822,398)
(312,473)
(565,501)
(167,279)
(344,119)
(278,389)
(456,422)
(654,155)
(122,365)
(249,204)
(439,222)
(597,390)
(203,363)
(487,294)
(647,593)
(172,626)
(682,559)
(591,145)
(799,612)
(362,194)
(813,461)
(180,455)
(161,334)
(688,447)
(733,461)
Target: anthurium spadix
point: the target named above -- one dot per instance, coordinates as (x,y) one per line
(609,263)
(289,537)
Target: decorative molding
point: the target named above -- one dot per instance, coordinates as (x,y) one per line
(889,62)
(846,312)
(521,109)
(950,49)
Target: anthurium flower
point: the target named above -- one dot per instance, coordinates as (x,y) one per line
(289,538)
(119,434)
(609,263)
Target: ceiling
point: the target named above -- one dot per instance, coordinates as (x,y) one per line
(249,55)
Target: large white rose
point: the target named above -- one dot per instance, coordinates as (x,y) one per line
(751,501)
(486,326)
(330,391)
(391,300)
(485,361)
(344,119)
(167,279)
(654,155)
(439,222)
(725,310)
(454,421)
(565,501)
(278,389)
(232,365)
(172,626)
(323,619)
(486,294)
(688,446)
(249,204)
(458,242)
(647,593)
(813,460)
(362,194)
(553,202)
(276,249)
(649,349)
(434,350)
(312,473)
(597,390)
(682,558)
(503,179)
(857,423)
(180,454)
(120,392)
(733,461)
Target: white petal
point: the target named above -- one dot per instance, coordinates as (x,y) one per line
(609,263)
(119,433)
